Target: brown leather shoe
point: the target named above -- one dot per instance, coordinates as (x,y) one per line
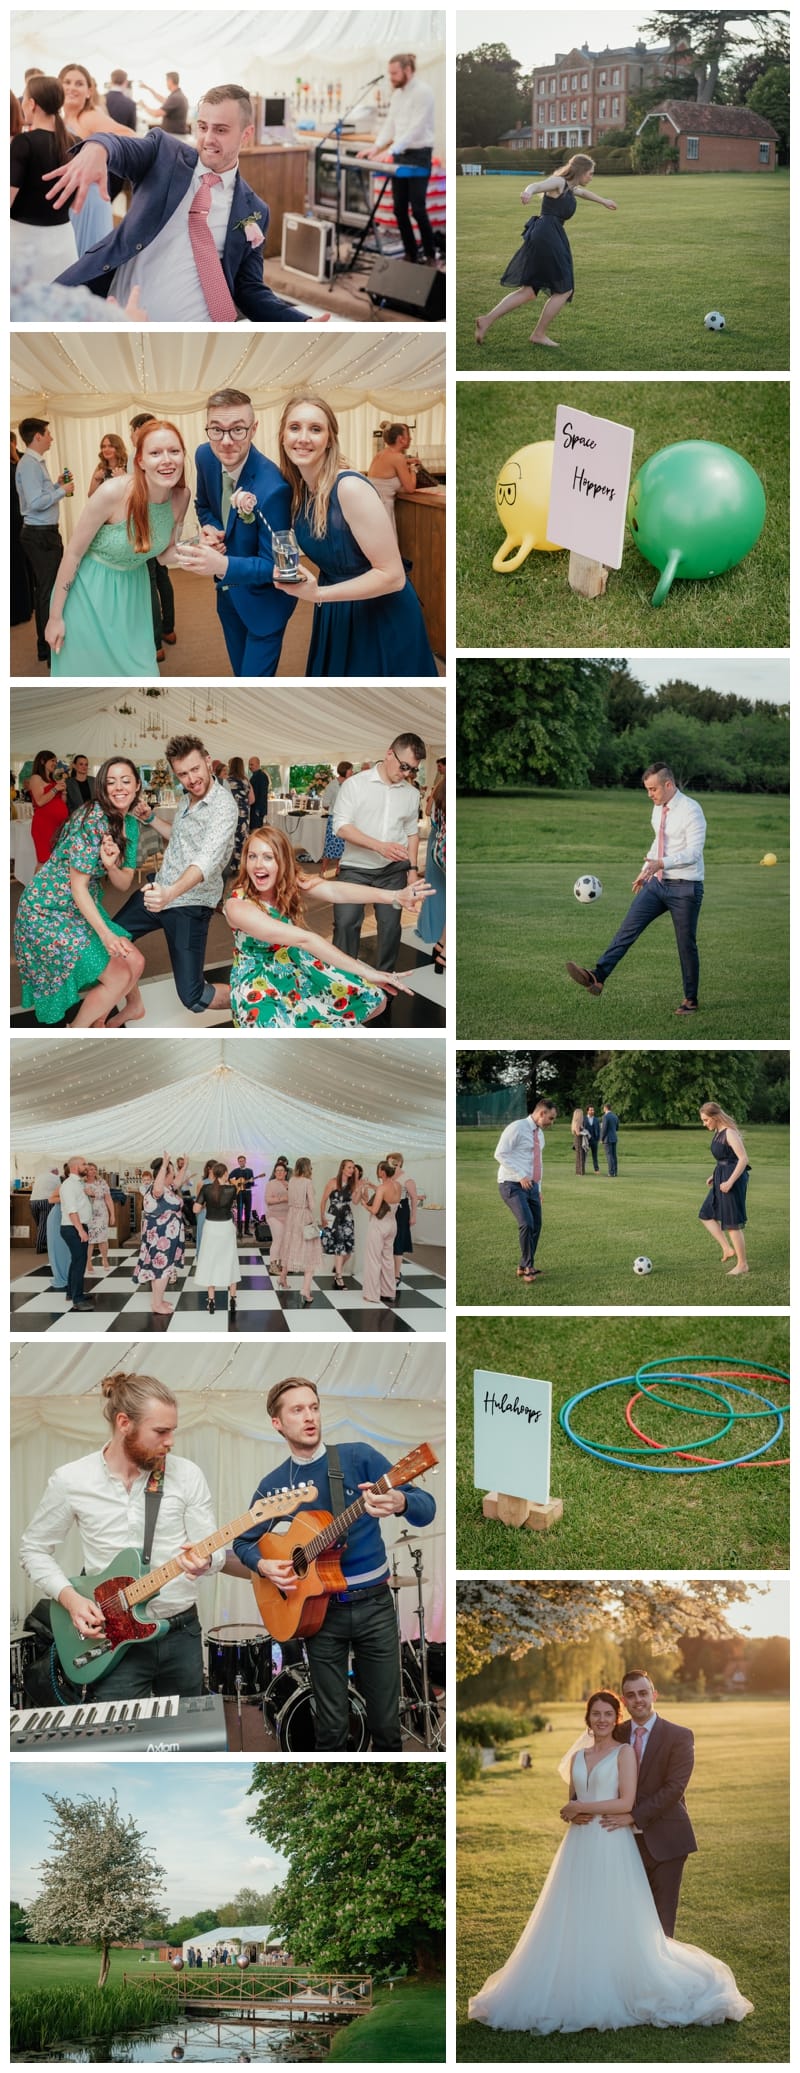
(170,639)
(582,977)
(687,1008)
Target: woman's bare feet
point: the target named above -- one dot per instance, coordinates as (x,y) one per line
(537,340)
(729,1255)
(481,327)
(738,1270)
(124,1016)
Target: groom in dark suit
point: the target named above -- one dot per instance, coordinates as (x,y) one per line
(236,546)
(659,1819)
(192,242)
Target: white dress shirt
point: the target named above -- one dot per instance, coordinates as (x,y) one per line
(45,1184)
(684,836)
(409,118)
(390,813)
(165,271)
(109,1517)
(514,1150)
(74,1200)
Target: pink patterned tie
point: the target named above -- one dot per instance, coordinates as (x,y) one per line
(662,838)
(219,301)
(638,1744)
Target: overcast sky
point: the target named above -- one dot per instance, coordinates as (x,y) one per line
(759,676)
(194,1816)
(534,38)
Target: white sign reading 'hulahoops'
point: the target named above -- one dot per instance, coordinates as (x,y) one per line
(589,486)
(512,1435)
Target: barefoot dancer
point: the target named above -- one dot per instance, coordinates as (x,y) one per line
(68,950)
(723,1211)
(544,259)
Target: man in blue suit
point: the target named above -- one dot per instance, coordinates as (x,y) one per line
(236,547)
(192,242)
(609,1133)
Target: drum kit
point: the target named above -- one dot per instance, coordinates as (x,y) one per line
(243,1664)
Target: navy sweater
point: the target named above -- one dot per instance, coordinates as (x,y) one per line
(364,1560)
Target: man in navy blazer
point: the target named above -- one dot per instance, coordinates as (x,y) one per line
(236,547)
(151,249)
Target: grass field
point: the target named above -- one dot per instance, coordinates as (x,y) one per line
(644,279)
(36,1965)
(594,1228)
(518,920)
(614,1519)
(405,2026)
(535,608)
(734,1897)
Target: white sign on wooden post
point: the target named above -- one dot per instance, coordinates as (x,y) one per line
(589,485)
(512,1435)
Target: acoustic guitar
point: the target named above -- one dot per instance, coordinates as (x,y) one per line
(309,1548)
(121,1588)
(237,1180)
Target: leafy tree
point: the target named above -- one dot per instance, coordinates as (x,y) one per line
(247,1906)
(506,1619)
(769,1669)
(773,48)
(714,36)
(491,94)
(366,1883)
(652,152)
(667,1087)
(529,722)
(19,1923)
(770,98)
(101,1882)
(481,1072)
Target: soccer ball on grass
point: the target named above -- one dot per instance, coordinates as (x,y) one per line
(642,1265)
(587,889)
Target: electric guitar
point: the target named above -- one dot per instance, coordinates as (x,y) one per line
(318,1571)
(121,1588)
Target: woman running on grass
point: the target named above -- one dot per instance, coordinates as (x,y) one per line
(544,259)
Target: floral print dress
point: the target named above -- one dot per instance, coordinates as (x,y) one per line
(161,1249)
(58,954)
(340,1238)
(281,986)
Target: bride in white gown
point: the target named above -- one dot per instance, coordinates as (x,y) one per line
(593,1955)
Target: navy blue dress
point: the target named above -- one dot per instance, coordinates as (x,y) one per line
(544,259)
(728,1210)
(363,637)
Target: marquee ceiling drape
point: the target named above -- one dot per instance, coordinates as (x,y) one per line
(63,1369)
(307,1097)
(281,724)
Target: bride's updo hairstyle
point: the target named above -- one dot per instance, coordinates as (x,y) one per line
(610,1699)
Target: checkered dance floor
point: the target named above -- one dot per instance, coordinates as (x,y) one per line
(120,1306)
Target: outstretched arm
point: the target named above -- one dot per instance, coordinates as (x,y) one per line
(250,918)
(129,157)
(554,185)
(585,194)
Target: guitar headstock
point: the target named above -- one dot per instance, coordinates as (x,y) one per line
(280,1504)
(412,1465)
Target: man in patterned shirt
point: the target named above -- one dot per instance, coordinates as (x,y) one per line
(182,897)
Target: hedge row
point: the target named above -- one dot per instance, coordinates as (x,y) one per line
(497,159)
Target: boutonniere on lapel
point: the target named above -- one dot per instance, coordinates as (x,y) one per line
(251,225)
(246,505)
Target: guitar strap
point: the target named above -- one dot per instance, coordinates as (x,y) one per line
(152,1503)
(336,1480)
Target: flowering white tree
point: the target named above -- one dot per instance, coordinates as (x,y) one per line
(100,1883)
(494,1619)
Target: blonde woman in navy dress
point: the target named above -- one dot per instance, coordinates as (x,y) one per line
(544,259)
(724,1212)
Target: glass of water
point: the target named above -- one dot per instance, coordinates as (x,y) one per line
(286,555)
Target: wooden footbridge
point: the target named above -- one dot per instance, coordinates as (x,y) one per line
(263,1994)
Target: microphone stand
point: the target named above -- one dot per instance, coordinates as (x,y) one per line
(339,265)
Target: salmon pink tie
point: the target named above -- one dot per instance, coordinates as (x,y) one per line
(638,1744)
(536,1169)
(662,836)
(219,301)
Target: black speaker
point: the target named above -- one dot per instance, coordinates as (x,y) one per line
(416,290)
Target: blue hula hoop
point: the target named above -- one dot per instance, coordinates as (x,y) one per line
(616,1458)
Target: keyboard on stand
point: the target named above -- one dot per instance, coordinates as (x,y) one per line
(162,1724)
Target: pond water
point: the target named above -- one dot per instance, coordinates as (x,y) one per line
(193,2044)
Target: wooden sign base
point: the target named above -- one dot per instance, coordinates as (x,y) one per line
(519,1511)
(588,578)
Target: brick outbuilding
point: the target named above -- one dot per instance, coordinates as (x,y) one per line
(716,140)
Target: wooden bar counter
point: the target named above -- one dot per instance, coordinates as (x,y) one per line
(278,173)
(421,533)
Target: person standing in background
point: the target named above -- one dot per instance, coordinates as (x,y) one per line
(259,786)
(39,499)
(409,131)
(119,99)
(173,110)
(609,1132)
(591,1124)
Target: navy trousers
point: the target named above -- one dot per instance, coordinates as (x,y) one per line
(682,899)
(525,1205)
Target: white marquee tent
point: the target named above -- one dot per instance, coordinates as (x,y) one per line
(265,51)
(306,1097)
(91,382)
(278,723)
(392,1397)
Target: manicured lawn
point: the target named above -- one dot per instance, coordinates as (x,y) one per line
(518,920)
(535,608)
(76,1965)
(594,1228)
(614,1519)
(734,1897)
(644,278)
(406,2026)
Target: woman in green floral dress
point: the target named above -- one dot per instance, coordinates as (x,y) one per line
(284,975)
(68,950)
